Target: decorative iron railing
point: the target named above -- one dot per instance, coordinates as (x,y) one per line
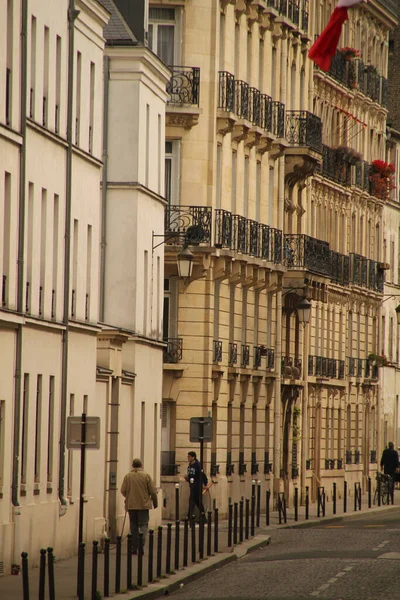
(190,223)
(340,69)
(255,106)
(361,175)
(266,112)
(366,273)
(267,464)
(334,167)
(173,351)
(278,119)
(371,371)
(232,354)
(305,16)
(168,466)
(184,85)
(349,457)
(340,272)
(245,355)
(291,367)
(304,129)
(257,356)
(214,468)
(270,355)
(8,96)
(303,251)
(242,104)
(242,464)
(320,366)
(226,91)
(254,463)
(217,351)
(230,467)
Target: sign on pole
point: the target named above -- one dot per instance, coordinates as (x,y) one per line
(201,429)
(74,433)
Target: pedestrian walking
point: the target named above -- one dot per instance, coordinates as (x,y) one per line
(196,479)
(389,464)
(140,495)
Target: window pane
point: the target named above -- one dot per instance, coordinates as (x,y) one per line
(165,43)
(150,37)
(162,14)
(168,179)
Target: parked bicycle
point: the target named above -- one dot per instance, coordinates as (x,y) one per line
(384,484)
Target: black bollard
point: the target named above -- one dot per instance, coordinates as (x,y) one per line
(279,509)
(42,574)
(334,498)
(215,530)
(81,571)
(177,542)
(209,532)
(140,561)
(230,508)
(296,504)
(307,502)
(258,512)
(25,576)
(129,561)
(50,569)
(267,503)
(359,497)
(201,536)
(241,520)
(106,586)
(94,570)
(345,497)
(323,501)
(235,523)
(369,492)
(185,541)
(159,551)
(118,565)
(193,538)
(150,557)
(319,501)
(169,544)
(253,507)
(247,519)
(177,490)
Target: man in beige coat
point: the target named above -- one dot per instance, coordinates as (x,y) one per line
(140,495)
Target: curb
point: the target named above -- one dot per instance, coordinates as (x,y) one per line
(189,574)
(334,518)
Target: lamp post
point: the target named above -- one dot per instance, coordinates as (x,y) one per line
(185,260)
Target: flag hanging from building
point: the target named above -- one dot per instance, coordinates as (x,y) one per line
(324,48)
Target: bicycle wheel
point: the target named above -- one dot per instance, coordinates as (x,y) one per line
(384,497)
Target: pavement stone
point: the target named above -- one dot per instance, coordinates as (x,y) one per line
(65,570)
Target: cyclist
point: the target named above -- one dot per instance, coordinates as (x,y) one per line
(389,464)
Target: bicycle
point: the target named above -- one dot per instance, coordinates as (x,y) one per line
(384,486)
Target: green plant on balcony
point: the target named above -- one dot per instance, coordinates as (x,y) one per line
(378,360)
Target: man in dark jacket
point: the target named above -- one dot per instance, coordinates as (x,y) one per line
(194,477)
(389,464)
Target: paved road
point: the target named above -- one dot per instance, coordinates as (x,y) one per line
(357,559)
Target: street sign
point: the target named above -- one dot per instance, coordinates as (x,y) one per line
(201,429)
(74,432)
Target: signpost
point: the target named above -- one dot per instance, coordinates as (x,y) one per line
(201,430)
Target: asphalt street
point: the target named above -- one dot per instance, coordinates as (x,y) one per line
(357,559)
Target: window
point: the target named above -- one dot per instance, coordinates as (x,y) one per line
(6,238)
(218,185)
(33,69)
(46,54)
(91,106)
(38,428)
(78,97)
(234,175)
(170,313)
(172,153)
(24,434)
(9,34)
(50,430)
(164,24)
(70,452)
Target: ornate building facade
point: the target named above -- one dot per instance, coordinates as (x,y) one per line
(272,184)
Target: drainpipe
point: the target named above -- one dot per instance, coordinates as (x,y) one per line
(16,513)
(72,15)
(104,187)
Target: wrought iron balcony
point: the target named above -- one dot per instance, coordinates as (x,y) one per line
(340,272)
(304,16)
(366,273)
(291,367)
(371,371)
(267,464)
(357,457)
(304,129)
(173,351)
(184,85)
(245,355)
(168,466)
(214,468)
(254,464)
(308,463)
(232,354)
(339,462)
(226,91)
(340,69)
(334,167)
(190,223)
(257,356)
(320,366)
(349,457)
(356,367)
(278,119)
(329,463)
(269,354)
(362,173)
(242,464)
(303,251)
(266,112)
(217,351)
(242,103)
(230,467)
(255,106)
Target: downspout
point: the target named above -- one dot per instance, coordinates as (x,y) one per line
(104,187)
(20,282)
(72,15)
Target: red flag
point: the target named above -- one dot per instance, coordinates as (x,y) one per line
(324,48)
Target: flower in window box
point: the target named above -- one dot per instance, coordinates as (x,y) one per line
(350,53)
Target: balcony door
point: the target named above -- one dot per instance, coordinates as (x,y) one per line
(165,34)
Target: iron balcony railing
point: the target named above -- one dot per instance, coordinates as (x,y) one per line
(242,464)
(334,167)
(247,236)
(190,223)
(291,367)
(278,119)
(267,464)
(303,251)
(366,273)
(356,366)
(340,264)
(254,463)
(340,69)
(371,371)
(245,355)
(304,129)
(173,351)
(257,356)
(305,16)
(361,178)
(242,104)
(230,467)
(349,457)
(266,112)
(168,466)
(214,468)
(8,96)
(270,354)
(217,351)
(226,91)
(184,85)
(321,366)
(232,354)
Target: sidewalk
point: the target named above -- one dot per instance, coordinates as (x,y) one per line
(66,570)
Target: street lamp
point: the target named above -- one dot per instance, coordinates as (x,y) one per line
(185,260)
(304,311)
(397,311)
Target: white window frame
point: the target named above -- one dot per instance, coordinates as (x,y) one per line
(177,23)
(174,158)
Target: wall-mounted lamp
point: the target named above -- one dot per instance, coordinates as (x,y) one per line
(185,260)
(304,311)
